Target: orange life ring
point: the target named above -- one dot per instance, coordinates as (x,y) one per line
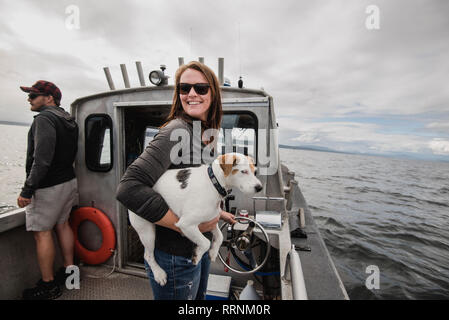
(107,229)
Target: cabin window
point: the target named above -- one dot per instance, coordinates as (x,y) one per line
(98,144)
(238,134)
(150,132)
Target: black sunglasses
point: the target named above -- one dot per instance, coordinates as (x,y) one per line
(33,96)
(200,88)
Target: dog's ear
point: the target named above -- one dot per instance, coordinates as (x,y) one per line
(227,161)
(251,164)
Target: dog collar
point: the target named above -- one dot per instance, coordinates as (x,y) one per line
(222,191)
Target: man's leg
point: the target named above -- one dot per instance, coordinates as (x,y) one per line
(46,288)
(66,242)
(45,253)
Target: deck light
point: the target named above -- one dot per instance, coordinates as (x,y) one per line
(158,78)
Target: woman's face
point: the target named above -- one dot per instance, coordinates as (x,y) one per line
(195,105)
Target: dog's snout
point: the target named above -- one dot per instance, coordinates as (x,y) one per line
(258,187)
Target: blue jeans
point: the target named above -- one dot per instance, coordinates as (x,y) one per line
(185,281)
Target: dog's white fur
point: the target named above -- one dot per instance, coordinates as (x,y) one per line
(198,202)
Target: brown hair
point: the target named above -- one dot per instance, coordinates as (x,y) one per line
(215,112)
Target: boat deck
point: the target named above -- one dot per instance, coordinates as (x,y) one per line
(96,285)
(320,274)
(321,277)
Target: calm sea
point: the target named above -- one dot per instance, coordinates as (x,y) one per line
(371,211)
(13,140)
(383,212)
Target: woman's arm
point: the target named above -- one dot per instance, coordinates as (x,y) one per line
(228,217)
(170,218)
(135,190)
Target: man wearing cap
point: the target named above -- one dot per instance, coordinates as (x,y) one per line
(50,190)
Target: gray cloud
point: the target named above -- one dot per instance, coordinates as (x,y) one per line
(316,58)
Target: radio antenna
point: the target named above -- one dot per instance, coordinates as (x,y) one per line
(190,41)
(240,82)
(239,50)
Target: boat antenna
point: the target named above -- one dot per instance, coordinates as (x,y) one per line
(240,82)
(191,41)
(239,51)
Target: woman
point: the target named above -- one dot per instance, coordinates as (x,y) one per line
(197,97)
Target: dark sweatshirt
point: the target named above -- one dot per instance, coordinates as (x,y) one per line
(52,147)
(136,193)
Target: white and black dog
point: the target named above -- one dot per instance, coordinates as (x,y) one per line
(194,195)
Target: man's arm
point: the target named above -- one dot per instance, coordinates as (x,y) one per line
(44,150)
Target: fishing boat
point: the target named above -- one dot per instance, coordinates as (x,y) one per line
(274,252)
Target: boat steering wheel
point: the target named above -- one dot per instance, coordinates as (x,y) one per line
(243,241)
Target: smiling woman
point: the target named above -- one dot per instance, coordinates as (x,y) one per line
(196,77)
(197,98)
(195,94)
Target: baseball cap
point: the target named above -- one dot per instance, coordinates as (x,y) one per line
(45,88)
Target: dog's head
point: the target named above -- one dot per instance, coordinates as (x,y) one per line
(239,171)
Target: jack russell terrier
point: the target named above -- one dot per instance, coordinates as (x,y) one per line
(194,195)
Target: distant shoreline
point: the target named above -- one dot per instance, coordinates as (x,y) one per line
(396,156)
(311,148)
(320,149)
(12,123)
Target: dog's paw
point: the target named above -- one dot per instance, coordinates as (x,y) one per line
(160,276)
(213,254)
(195,260)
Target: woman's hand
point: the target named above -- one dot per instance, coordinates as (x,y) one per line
(171,218)
(228,217)
(209,225)
(212,224)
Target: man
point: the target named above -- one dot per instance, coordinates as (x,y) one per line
(50,189)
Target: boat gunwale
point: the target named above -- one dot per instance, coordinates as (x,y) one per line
(12,219)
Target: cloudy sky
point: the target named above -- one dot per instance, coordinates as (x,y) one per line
(336,81)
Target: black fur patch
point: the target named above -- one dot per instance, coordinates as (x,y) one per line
(183,176)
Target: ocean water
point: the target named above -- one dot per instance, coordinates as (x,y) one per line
(13,140)
(372,211)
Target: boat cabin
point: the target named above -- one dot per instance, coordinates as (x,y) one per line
(114,128)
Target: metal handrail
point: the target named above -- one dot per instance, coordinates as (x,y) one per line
(296,275)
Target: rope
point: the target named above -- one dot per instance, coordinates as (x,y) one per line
(106,275)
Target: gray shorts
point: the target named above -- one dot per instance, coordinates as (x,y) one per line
(51,206)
